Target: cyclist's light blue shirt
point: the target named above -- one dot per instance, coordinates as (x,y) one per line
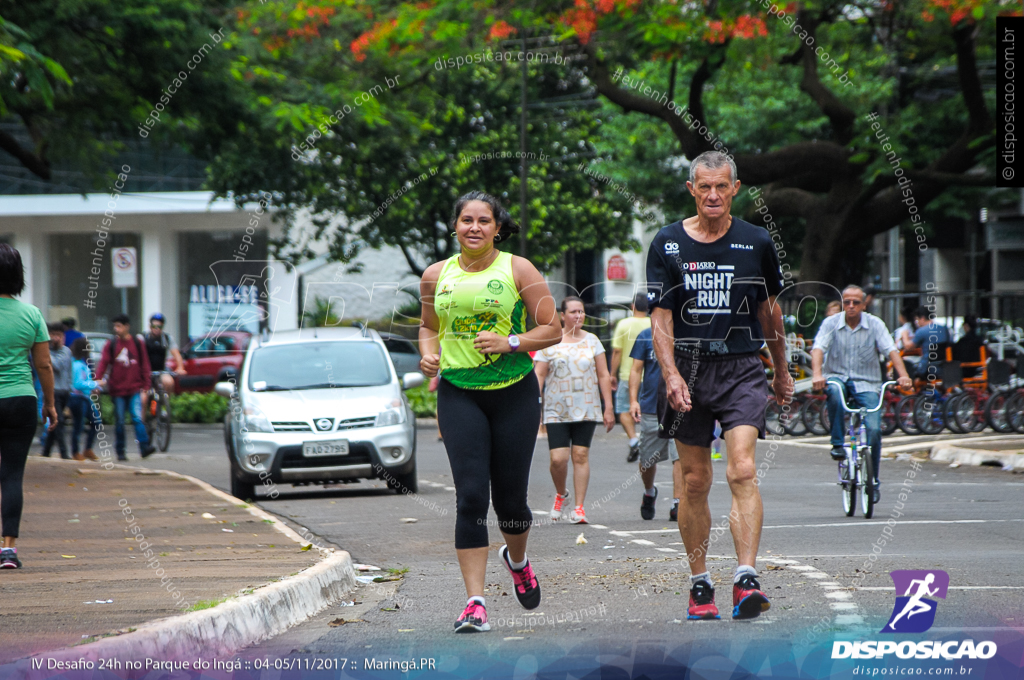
(852,353)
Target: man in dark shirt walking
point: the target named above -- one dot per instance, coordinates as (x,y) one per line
(712,283)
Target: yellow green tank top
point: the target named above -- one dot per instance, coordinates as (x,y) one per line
(469,302)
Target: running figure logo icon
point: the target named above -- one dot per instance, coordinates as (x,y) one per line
(913,611)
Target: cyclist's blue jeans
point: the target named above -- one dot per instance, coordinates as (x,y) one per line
(873,422)
(133,404)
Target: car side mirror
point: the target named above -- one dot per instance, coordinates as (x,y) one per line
(225,389)
(411,380)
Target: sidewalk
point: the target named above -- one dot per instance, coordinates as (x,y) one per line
(79,545)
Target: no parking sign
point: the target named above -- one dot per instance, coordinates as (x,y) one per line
(126,268)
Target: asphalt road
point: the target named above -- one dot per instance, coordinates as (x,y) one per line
(623,593)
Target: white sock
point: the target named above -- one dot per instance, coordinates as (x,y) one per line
(675,502)
(706,576)
(518,565)
(650,492)
(743,569)
(476,598)
(633,441)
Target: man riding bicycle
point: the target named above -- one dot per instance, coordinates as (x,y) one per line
(158,344)
(847,346)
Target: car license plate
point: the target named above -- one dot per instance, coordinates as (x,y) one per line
(331,447)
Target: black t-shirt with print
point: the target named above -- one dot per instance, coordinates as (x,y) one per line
(714,289)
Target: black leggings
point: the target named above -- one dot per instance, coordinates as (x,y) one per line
(489,435)
(17,428)
(565,435)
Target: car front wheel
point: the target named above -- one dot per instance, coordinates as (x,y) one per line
(404,483)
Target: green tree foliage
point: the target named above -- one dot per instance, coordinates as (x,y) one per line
(786,89)
(80,76)
(391,145)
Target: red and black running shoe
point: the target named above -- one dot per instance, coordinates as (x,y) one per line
(747,599)
(702,602)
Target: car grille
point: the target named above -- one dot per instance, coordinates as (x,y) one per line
(292,458)
(291,427)
(356,423)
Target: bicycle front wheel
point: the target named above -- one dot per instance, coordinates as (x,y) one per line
(929,414)
(792,419)
(888,417)
(773,419)
(163,422)
(967,413)
(867,484)
(848,485)
(1015,411)
(995,411)
(905,415)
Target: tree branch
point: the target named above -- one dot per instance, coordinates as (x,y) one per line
(970,82)
(416,269)
(840,115)
(36,165)
(790,201)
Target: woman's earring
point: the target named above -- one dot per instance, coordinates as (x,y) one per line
(453,234)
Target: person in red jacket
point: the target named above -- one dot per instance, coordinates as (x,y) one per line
(125,356)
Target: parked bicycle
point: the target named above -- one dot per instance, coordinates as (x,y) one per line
(856,471)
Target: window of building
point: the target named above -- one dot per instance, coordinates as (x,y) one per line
(78,267)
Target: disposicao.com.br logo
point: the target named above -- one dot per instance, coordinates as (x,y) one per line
(914,612)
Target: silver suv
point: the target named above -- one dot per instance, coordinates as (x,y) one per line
(319,405)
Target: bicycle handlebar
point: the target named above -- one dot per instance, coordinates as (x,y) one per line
(881,396)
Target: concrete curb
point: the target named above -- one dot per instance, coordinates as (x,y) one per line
(1009,461)
(222,630)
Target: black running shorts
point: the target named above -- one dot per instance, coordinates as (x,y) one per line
(730,388)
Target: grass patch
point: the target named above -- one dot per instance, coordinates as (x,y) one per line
(207,604)
(398,572)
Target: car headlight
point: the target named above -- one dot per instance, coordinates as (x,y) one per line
(391,416)
(256,420)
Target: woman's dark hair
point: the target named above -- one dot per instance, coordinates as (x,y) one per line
(80,348)
(908,312)
(566,300)
(12,271)
(506,225)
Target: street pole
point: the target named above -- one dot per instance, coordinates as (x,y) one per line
(524,224)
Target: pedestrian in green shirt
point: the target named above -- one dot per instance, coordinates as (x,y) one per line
(22,330)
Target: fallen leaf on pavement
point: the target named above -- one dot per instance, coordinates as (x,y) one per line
(303,548)
(408,520)
(580,540)
(207,515)
(341,622)
(70,557)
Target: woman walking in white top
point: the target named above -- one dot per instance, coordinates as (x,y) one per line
(574,379)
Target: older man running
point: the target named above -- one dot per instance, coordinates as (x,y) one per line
(712,282)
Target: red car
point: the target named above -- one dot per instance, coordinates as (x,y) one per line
(211,359)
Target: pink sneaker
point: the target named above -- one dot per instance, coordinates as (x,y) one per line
(526,585)
(473,619)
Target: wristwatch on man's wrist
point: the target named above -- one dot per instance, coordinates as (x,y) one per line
(513,342)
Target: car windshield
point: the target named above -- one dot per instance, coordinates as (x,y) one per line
(318,365)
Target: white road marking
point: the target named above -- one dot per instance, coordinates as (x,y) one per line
(890,588)
(641,541)
(912,521)
(667,550)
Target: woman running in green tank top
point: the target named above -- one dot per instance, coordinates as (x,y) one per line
(473,334)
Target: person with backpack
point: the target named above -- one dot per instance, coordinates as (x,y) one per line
(126,358)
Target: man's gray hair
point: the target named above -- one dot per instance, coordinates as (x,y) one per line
(853,286)
(713,160)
